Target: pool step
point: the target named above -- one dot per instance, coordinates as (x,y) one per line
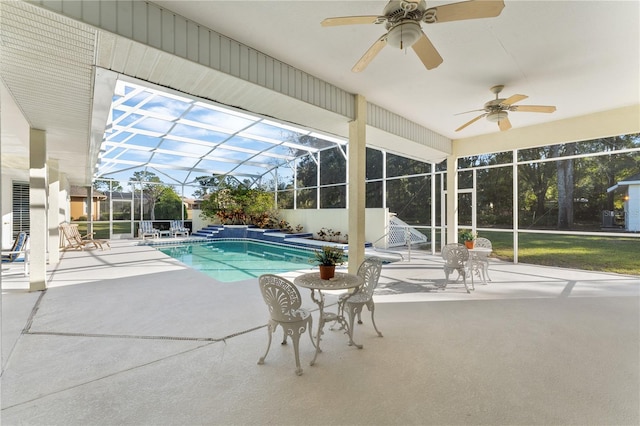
(300,239)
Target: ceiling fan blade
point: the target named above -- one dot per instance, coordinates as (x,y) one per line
(467,112)
(370,54)
(504,124)
(470,122)
(349,20)
(427,52)
(533,108)
(513,99)
(468,10)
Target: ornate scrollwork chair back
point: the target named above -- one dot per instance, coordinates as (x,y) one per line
(283,300)
(456,258)
(369,271)
(482,261)
(483,242)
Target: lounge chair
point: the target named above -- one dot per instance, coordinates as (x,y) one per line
(177,228)
(147,230)
(19,252)
(77,241)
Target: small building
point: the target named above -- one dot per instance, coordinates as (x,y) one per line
(631,186)
(79,202)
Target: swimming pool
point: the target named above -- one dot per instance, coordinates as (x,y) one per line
(230,261)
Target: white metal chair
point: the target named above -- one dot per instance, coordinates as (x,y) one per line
(147,230)
(283,299)
(353,303)
(456,258)
(481,260)
(176,228)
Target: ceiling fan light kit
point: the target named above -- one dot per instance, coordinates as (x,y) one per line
(404,34)
(497,116)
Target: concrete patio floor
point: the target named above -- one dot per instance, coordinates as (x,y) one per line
(130,336)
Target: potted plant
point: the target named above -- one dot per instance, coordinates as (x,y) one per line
(327,259)
(469,238)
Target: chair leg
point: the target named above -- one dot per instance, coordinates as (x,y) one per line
(372,307)
(296,343)
(486,270)
(270,330)
(310,326)
(353,309)
(464,280)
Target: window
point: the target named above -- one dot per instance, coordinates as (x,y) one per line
(20,198)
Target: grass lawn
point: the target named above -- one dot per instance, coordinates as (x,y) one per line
(101,229)
(593,253)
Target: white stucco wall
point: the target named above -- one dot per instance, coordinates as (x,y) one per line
(197,221)
(7,216)
(313,220)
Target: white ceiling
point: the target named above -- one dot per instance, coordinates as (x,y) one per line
(581,56)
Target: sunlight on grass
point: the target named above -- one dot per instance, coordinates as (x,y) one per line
(592,253)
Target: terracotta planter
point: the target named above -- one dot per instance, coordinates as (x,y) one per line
(327,271)
(469,244)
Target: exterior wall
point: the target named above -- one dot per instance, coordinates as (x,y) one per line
(79,208)
(7,213)
(376,222)
(632,209)
(6,190)
(64,202)
(197,221)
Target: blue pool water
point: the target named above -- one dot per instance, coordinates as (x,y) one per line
(230,261)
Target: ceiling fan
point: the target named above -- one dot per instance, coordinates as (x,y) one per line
(402,19)
(497,110)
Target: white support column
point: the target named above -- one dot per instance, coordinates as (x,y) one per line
(38,210)
(53,211)
(318,164)
(432,230)
(515,206)
(356,199)
(384,179)
(452,199)
(474,201)
(89,209)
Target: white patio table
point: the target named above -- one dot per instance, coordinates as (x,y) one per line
(341,281)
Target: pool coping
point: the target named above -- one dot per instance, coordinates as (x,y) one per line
(299,243)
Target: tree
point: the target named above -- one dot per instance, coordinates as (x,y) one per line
(152,189)
(535,180)
(565,174)
(208,184)
(169,205)
(104,185)
(240,206)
